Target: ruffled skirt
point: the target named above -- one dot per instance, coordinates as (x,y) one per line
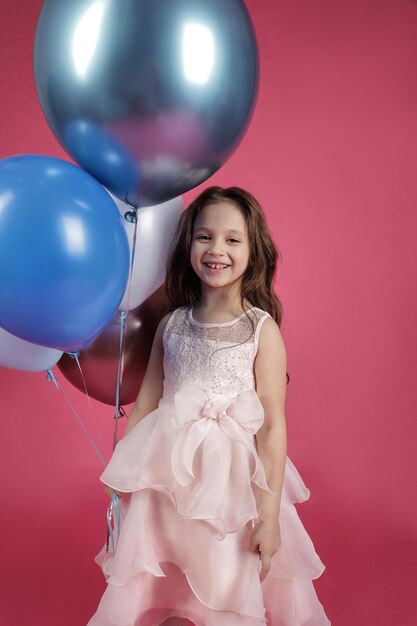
(184,548)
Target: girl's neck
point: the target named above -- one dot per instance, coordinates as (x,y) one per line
(218,307)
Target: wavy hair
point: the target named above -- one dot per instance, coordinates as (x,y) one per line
(182,285)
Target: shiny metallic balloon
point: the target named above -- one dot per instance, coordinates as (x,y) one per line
(149,96)
(155,231)
(99,361)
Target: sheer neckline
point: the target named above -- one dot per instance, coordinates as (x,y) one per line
(214,324)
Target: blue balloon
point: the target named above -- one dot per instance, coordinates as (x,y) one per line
(64,254)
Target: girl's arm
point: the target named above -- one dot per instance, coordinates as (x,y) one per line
(152,385)
(270,373)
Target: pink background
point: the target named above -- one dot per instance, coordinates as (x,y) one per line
(331,154)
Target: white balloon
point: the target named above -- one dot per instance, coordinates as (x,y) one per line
(155,230)
(18,354)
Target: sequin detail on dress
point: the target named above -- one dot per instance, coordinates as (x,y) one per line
(217,358)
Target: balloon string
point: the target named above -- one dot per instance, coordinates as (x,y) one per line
(114,507)
(120,368)
(75,355)
(88,398)
(50,376)
(120,414)
(113,513)
(132,217)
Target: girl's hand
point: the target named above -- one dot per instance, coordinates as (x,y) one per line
(265,539)
(109,492)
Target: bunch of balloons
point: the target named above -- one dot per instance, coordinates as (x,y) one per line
(150,99)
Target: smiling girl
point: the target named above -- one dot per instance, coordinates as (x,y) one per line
(210,531)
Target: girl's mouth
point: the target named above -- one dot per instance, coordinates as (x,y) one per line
(216,266)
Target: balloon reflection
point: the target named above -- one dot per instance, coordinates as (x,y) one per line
(85,39)
(74,235)
(197,53)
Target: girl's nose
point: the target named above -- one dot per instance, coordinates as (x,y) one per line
(216,247)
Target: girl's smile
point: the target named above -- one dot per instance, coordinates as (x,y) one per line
(216,267)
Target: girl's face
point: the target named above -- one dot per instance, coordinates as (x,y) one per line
(220,246)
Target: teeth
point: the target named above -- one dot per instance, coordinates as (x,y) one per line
(215,266)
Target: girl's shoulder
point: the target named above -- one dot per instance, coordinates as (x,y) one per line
(260,317)
(259,313)
(178,315)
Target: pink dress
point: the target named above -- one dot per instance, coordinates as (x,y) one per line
(195,477)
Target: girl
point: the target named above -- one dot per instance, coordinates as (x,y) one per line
(210,533)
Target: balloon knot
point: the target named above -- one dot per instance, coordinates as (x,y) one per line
(131,216)
(50,377)
(120,413)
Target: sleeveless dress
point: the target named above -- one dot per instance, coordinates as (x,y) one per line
(194,477)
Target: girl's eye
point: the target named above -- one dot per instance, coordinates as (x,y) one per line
(203,237)
(234,240)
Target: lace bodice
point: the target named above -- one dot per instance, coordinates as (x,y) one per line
(217,357)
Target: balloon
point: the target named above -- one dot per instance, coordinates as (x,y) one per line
(22,355)
(99,362)
(64,255)
(151,97)
(101,155)
(155,230)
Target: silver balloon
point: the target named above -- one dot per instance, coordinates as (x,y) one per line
(149,96)
(155,232)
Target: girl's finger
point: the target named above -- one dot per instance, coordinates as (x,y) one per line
(266,566)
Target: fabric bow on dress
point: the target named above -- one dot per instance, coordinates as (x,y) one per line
(196,415)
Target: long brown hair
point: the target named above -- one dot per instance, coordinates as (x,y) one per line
(183,286)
